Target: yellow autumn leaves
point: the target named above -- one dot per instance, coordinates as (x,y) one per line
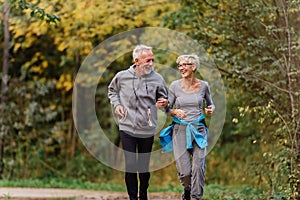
(83,25)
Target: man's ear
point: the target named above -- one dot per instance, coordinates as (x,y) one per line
(136,60)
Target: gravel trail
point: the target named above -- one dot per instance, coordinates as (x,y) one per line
(72,194)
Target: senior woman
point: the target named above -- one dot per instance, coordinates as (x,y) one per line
(186,100)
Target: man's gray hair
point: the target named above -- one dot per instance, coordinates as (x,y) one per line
(139,49)
(191,58)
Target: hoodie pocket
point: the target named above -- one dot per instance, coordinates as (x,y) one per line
(143,118)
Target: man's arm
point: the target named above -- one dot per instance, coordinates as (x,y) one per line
(114,96)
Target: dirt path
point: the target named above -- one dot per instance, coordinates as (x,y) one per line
(63,194)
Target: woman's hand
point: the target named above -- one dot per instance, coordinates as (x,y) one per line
(179,113)
(209,110)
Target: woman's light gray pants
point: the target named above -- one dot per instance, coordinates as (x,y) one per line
(190,163)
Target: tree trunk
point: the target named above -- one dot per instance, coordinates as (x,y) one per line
(4,84)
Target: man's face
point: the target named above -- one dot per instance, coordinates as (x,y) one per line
(145,62)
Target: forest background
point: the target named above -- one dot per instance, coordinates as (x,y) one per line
(255,46)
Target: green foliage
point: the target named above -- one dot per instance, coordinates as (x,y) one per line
(255,45)
(6,196)
(239,151)
(36,11)
(37,127)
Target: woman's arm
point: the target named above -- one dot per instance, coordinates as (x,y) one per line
(210,107)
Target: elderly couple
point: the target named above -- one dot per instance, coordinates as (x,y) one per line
(135,94)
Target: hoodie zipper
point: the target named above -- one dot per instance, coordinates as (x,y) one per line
(137,98)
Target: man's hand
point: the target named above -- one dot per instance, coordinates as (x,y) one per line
(121,112)
(162,103)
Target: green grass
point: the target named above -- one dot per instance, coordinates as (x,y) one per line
(61,183)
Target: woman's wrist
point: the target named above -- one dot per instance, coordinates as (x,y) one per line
(173,112)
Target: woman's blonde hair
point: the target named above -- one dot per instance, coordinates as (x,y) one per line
(191,58)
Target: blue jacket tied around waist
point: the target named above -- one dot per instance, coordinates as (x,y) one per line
(165,135)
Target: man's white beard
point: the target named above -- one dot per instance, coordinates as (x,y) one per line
(146,69)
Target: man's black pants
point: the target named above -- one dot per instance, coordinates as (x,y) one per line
(137,152)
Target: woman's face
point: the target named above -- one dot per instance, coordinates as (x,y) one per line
(186,69)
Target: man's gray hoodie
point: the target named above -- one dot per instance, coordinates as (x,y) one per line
(138,95)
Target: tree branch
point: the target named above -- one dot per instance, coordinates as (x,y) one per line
(268,82)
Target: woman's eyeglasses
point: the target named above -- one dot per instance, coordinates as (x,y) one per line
(184,65)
